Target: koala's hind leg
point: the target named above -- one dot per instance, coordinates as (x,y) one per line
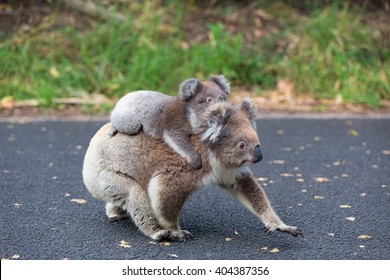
(125,122)
(250,194)
(115,213)
(139,207)
(166,203)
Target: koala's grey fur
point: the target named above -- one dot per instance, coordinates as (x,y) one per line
(142,177)
(173,119)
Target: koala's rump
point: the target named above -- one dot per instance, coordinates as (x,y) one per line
(139,157)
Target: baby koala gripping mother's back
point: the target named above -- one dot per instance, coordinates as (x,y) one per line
(152,184)
(173,119)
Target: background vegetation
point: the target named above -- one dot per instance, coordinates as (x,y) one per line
(326,49)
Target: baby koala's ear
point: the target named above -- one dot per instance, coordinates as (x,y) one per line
(189,88)
(222,82)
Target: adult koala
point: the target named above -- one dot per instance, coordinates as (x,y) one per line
(142,177)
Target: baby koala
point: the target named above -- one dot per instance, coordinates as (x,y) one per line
(171,118)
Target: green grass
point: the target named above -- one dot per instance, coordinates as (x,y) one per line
(331,52)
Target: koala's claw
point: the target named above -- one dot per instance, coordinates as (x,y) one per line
(113,131)
(173,235)
(294,231)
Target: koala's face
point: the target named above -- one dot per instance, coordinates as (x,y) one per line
(199,96)
(230,134)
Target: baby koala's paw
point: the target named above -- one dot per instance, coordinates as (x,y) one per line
(196,162)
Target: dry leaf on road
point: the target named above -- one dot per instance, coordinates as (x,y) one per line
(321,179)
(364,236)
(79,200)
(124,244)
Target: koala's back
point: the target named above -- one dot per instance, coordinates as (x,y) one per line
(140,107)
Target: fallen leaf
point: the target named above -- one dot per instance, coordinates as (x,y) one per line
(165,243)
(286,175)
(262,179)
(361,246)
(152,242)
(318,197)
(337,163)
(363,194)
(124,244)
(264,248)
(352,219)
(304,191)
(15,257)
(173,255)
(274,250)
(79,200)
(344,175)
(321,179)
(364,236)
(79,147)
(345,206)
(278,161)
(17,205)
(287,149)
(235,232)
(330,234)
(54,177)
(317,138)
(300,180)
(386,152)
(7,102)
(228,239)
(353,132)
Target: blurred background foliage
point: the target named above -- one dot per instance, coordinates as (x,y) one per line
(53,49)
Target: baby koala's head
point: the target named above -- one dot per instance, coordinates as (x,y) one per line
(198,96)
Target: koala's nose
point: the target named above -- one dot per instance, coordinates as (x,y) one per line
(258,153)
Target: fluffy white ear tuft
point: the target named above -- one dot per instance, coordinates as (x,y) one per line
(249,109)
(189,88)
(222,82)
(217,117)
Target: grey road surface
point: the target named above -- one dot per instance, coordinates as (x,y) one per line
(330,177)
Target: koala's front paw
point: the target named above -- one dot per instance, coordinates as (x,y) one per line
(294,231)
(196,162)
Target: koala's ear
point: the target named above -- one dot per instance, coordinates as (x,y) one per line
(222,82)
(189,88)
(218,116)
(249,109)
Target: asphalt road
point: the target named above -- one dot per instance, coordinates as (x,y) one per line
(329,177)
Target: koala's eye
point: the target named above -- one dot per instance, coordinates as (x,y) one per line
(241,146)
(209,99)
